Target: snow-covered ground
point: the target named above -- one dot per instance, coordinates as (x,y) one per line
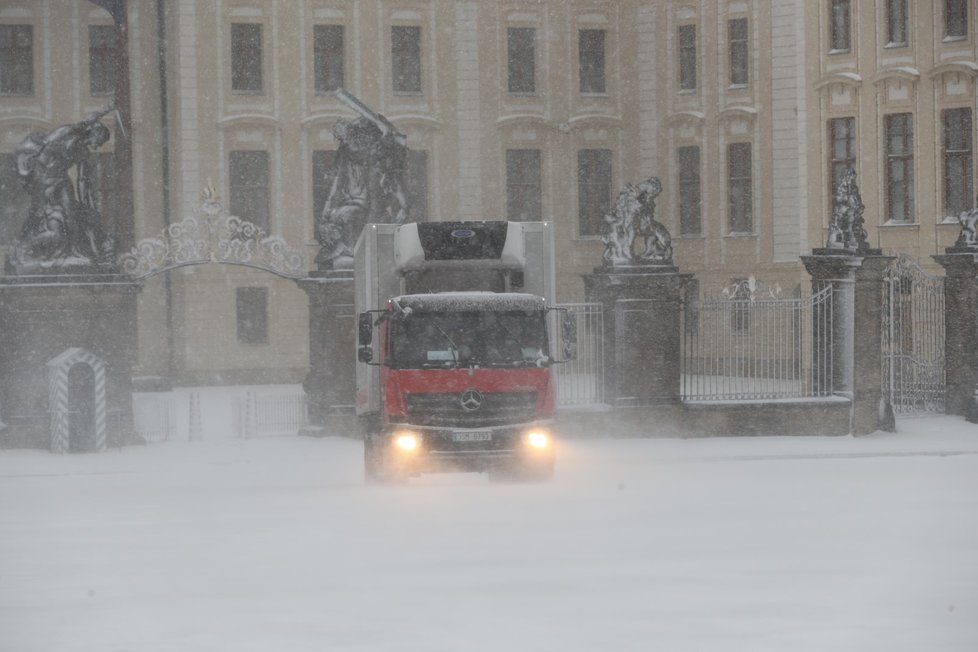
(821,544)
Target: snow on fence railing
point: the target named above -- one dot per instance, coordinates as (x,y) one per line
(155,416)
(263,415)
(753,345)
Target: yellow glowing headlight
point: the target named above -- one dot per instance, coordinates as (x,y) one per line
(407,441)
(538,439)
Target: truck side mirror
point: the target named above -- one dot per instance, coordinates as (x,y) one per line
(365,335)
(568,335)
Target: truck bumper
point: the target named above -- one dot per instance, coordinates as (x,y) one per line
(411,450)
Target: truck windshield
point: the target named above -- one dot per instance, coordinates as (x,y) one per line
(484,338)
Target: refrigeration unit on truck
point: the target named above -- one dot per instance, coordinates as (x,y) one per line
(453,350)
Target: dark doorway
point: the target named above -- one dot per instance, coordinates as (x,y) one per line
(81,408)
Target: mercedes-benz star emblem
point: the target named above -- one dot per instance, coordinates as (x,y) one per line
(471,400)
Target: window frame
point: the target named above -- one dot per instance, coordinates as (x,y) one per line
(522,179)
(744,181)
(955,20)
(686,53)
(592,194)
(963,159)
(836,164)
(897,19)
(840,26)
(246,191)
(592,62)
(521,60)
(13,85)
(247,72)
(249,331)
(322,57)
(902,160)
(400,72)
(738,51)
(685,183)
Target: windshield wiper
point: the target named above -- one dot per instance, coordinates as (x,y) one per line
(451,345)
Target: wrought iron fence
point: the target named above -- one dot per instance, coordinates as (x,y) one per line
(750,343)
(913,373)
(258,415)
(155,416)
(579,381)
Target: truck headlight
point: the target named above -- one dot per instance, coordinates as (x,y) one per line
(538,439)
(407,440)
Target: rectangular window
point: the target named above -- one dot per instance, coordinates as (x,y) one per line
(14,200)
(593,190)
(16,60)
(406,59)
(102,57)
(840,31)
(251,306)
(690,221)
(687,58)
(739,52)
(416,185)
(249,186)
(739,187)
(590,49)
(899,167)
(327,54)
(521,59)
(740,319)
(958,158)
(524,188)
(842,150)
(955,18)
(896,22)
(246,55)
(322,181)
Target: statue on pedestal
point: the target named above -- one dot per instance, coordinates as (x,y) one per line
(63,228)
(634,217)
(846,230)
(968,238)
(367,185)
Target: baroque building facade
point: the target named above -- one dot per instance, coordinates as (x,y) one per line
(745,109)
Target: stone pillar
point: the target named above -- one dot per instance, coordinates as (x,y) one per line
(43,316)
(331,383)
(642,346)
(856,330)
(961,331)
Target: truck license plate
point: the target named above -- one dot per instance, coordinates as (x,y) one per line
(472,435)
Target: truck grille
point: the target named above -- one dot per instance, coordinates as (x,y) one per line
(444,409)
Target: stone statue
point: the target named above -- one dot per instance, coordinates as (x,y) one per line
(367,184)
(968,238)
(634,216)
(63,228)
(846,226)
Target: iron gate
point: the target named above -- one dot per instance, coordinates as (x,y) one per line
(579,381)
(913,338)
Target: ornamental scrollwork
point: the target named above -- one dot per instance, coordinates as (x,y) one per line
(212,235)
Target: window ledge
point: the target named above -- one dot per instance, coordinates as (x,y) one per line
(740,235)
(593,94)
(895,224)
(738,87)
(528,94)
(841,51)
(892,45)
(247,93)
(955,39)
(687,91)
(949,220)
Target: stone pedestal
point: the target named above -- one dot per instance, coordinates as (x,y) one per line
(961,331)
(41,317)
(331,383)
(856,325)
(642,346)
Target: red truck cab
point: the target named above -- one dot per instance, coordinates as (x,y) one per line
(462,378)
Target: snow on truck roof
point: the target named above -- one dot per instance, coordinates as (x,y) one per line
(469,301)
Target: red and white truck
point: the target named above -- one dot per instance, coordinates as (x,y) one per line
(454,366)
